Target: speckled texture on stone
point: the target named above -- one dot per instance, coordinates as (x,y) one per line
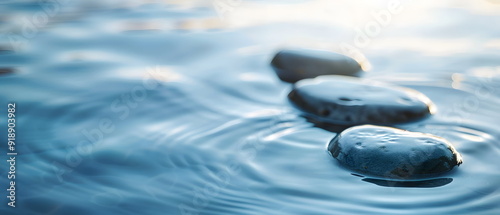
(393,153)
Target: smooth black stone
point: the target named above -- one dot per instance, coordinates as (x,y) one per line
(297,64)
(393,153)
(342,100)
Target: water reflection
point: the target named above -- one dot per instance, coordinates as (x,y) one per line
(431,183)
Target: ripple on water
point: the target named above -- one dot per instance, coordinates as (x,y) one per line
(257,158)
(222,139)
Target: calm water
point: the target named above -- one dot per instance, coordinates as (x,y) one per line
(149,107)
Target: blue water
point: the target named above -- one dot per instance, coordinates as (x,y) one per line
(149,107)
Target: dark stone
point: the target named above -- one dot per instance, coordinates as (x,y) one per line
(342,100)
(6,71)
(393,153)
(297,64)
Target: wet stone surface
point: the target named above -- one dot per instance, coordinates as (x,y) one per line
(342,100)
(393,153)
(296,64)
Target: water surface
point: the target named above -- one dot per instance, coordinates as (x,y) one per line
(196,122)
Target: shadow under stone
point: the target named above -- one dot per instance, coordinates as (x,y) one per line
(326,126)
(5,50)
(422,184)
(6,71)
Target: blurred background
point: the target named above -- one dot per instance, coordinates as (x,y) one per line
(171,107)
